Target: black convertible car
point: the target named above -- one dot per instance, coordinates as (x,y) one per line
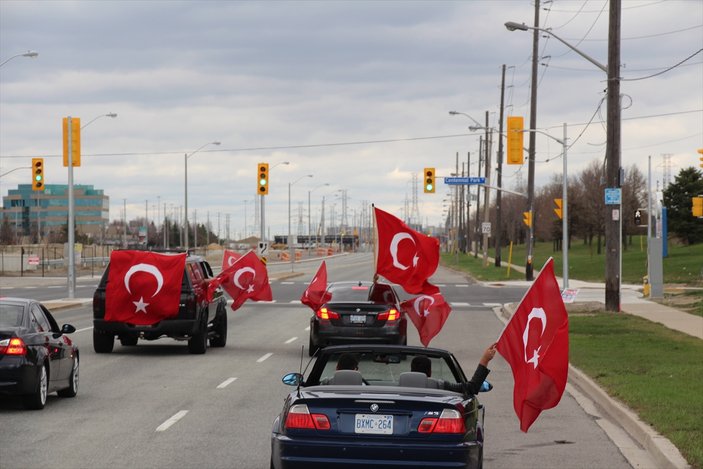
(380,415)
(36,356)
(358,312)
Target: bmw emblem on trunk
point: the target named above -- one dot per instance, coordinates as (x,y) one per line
(374,407)
(358,310)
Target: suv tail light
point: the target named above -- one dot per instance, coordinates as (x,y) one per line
(390,315)
(300,417)
(450,421)
(324,313)
(13,346)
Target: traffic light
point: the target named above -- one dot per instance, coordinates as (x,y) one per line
(558,209)
(638,217)
(700,150)
(262,179)
(75,141)
(515,140)
(37,174)
(697,206)
(527,218)
(429,181)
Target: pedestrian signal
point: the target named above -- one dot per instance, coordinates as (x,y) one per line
(429,178)
(515,140)
(527,218)
(75,138)
(37,174)
(638,217)
(557,210)
(262,179)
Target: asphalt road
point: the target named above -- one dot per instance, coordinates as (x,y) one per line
(156,406)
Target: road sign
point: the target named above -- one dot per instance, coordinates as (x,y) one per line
(486,228)
(262,248)
(464,180)
(613,196)
(569,295)
(33,260)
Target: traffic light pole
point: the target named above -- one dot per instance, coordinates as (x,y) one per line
(71,218)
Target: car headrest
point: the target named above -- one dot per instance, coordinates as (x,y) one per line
(413,379)
(346,377)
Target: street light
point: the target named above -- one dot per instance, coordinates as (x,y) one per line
(30,53)
(309,209)
(109,114)
(185,161)
(290,233)
(613,215)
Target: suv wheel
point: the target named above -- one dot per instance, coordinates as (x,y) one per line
(197,344)
(220,329)
(102,342)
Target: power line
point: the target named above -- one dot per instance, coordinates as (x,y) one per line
(665,70)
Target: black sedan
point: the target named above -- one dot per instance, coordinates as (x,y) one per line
(358,312)
(36,356)
(379,415)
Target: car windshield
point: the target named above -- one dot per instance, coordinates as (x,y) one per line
(11,315)
(385,369)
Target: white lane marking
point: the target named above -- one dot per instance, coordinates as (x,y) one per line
(457,303)
(55,286)
(292,339)
(167,424)
(226,383)
(30,288)
(307,328)
(264,357)
(462,286)
(492,304)
(287,283)
(84,329)
(440,285)
(295,302)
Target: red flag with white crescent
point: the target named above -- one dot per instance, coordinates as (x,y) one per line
(246,279)
(315,295)
(536,345)
(428,313)
(229,257)
(143,287)
(405,256)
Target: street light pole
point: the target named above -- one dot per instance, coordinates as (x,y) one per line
(29,53)
(185,161)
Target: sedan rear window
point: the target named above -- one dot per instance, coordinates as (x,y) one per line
(11,315)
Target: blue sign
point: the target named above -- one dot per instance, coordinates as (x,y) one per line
(613,196)
(464,180)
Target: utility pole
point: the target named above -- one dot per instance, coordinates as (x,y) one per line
(478,195)
(487,195)
(499,216)
(468,204)
(613,215)
(529,274)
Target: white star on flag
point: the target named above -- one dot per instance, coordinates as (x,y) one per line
(140,305)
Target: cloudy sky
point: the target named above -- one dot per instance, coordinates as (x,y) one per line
(356,93)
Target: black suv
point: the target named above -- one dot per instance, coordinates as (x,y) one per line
(198,319)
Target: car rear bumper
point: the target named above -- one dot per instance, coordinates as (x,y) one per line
(287,453)
(326,334)
(17,376)
(169,327)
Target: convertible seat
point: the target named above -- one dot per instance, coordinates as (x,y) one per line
(346,377)
(413,379)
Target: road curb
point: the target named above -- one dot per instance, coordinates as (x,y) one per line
(662,451)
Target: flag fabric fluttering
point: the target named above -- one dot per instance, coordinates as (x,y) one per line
(315,295)
(428,313)
(229,257)
(535,343)
(405,256)
(246,279)
(143,287)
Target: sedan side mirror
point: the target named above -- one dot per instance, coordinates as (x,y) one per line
(293,379)
(67,329)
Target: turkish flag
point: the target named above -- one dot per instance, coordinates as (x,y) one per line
(316,294)
(405,256)
(143,287)
(246,279)
(229,257)
(428,313)
(536,345)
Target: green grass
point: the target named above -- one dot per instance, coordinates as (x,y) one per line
(683,265)
(477,269)
(655,371)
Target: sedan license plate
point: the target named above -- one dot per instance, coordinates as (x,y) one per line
(373,424)
(357,318)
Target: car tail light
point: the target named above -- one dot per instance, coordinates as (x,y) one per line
(390,315)
(324,313)
(300,417)
(450,421)
(13,346)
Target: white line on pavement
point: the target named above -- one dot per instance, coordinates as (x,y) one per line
(84,329)
(461,286)
(167,424)
(226,383)
(307,328)
(292,339)
(492,304)
(457,303)
(287,283)
(264,357)
(30,288)
(295,302)
(55,286)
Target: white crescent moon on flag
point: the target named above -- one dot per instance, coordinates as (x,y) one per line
(149,269)
(416,304)
(536,313)
(397,238)
(238,273)
(231,260)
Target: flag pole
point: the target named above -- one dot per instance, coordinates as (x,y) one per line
(375,241)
